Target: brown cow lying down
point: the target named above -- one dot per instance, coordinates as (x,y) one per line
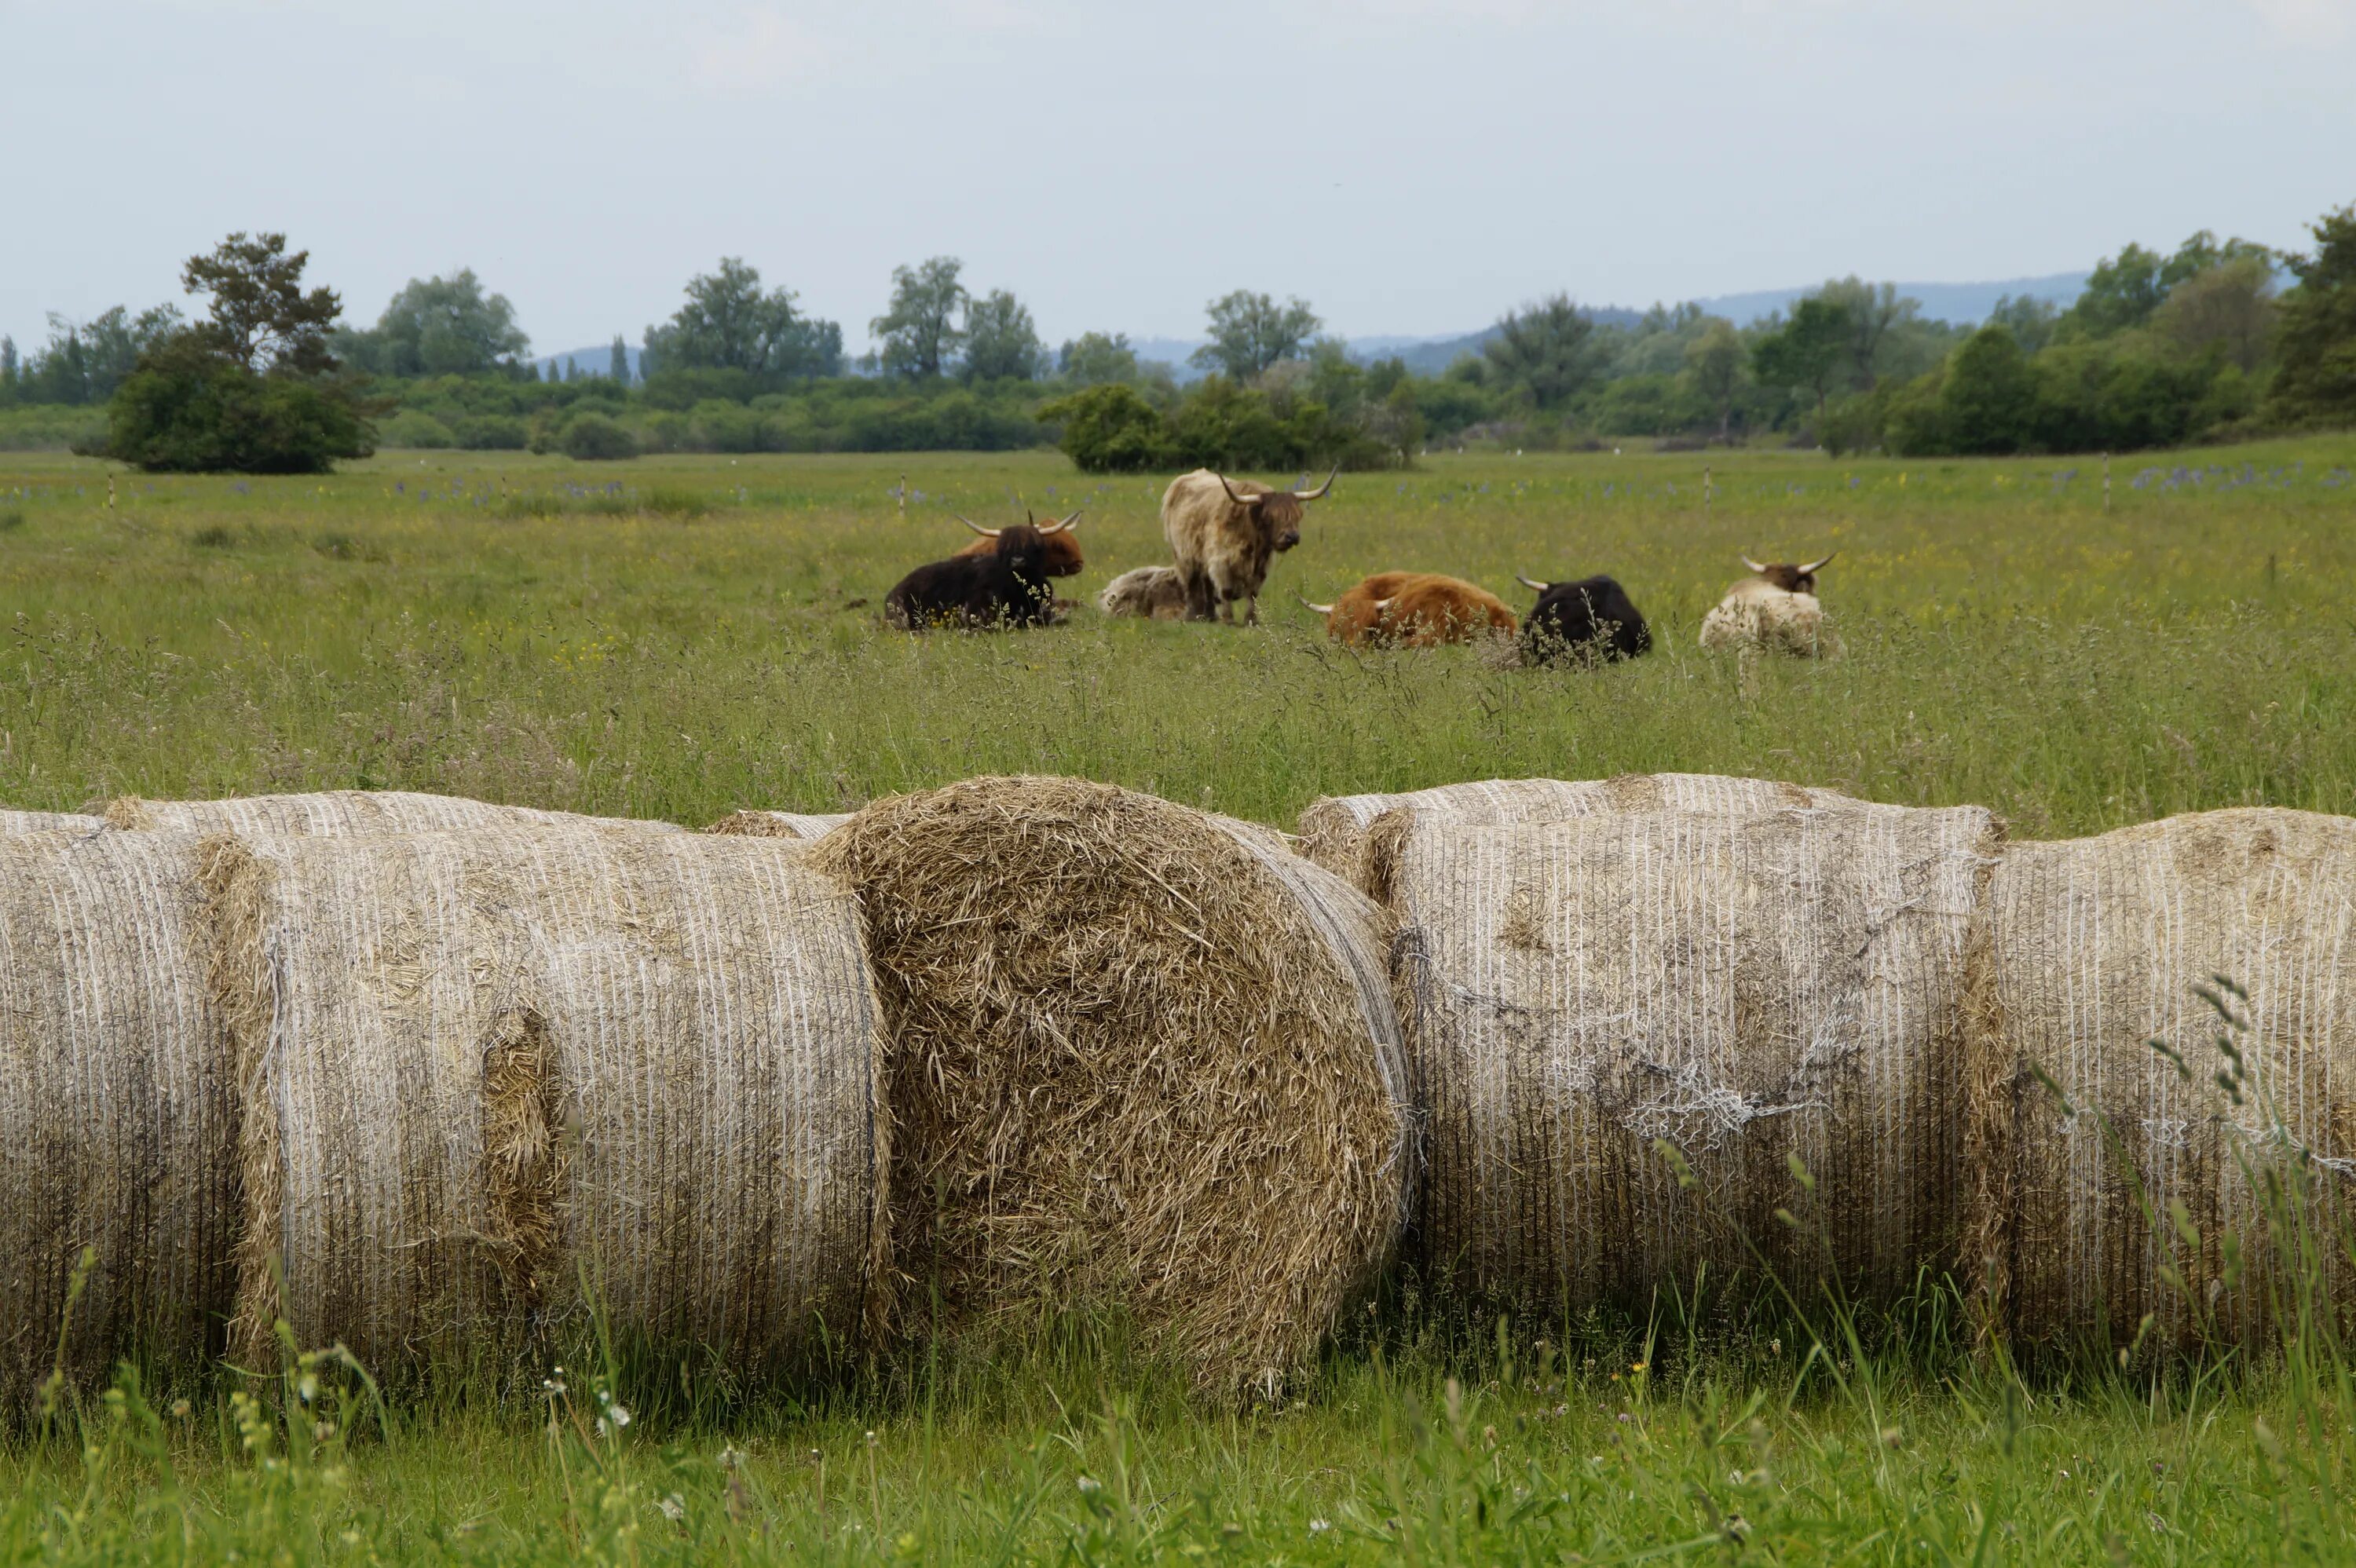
(1415,609)
(1150,593)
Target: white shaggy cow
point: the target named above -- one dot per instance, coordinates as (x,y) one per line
(1775,610)
(1150,593)
(1222,533)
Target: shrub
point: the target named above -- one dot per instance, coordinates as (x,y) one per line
(493,433)
(187,410)
(593,438)
(413,429)
(1111,430)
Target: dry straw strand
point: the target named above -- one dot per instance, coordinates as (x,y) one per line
(115,1107)
(1127,1069)
(485,1067)
(2092,951)
(1744,987)
(779,824)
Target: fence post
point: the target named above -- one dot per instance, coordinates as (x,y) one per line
(2107,482)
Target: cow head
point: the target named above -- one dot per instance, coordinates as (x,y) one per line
(1789,578)
(1062,545)
(1277,513)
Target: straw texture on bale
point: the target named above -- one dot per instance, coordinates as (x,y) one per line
(347,813)
(2089,951)
(1335,830)
(778,823)
(1743,987)
(1129,1069)
(478,1067)
(47,822)
(116,1112)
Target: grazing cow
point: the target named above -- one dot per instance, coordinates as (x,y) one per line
(1061,537)
(1151,592)
(1592,620)
(1224,532)
(1775,609)
(1007,587)
(1415,609)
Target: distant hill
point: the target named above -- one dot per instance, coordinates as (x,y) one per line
(1962,303)
(597,361)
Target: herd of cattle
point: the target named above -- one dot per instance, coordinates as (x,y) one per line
(1224,532)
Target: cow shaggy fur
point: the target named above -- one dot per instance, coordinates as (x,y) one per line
(1008,587)
(1415,609)
(1150,593)
(1223,533)
(1775,610)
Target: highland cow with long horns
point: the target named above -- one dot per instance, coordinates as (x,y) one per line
(1223,533)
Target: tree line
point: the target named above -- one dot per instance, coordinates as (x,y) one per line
(2215,337)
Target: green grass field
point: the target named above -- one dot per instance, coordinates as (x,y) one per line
(678,638)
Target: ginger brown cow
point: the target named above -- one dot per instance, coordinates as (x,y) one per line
(1222,533)
(1415,609)
(1062,542)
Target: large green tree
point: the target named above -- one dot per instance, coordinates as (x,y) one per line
(1988,395)
(250,389)
(1097,359)
(440,326)
(1874,312)
(1000,342)
(2123,290)
(2315,342)
(2227,309)
(1249,333)
(1808,351)
(1544,350)
(919,332)
(730,323)
(1715,362)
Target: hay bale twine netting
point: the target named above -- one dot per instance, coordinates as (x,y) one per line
(2091,950)
(1137,1059)
(14,821)
(779,824)
(478,1066)
(116,1109)
(1743,988)
(1335,830)
(347,813)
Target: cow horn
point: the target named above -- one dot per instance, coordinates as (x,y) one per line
(977,528)
(1753,564)
(1307,605)
(1061,524)
(1319,493)
(1238,500)
(1532,583)
(1810,569)
(1383,604)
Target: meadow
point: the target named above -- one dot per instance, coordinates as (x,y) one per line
(680,638)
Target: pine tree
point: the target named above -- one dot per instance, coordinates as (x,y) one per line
(620,370)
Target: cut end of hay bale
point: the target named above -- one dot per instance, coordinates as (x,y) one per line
(1125,1070)
(778,823)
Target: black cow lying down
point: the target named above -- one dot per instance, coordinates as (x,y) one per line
(1589,620)
(1007,587)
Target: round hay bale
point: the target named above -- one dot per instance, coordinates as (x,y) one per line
(2091,949)
(1743,990)
(347,813)
(481,1066)
(117,1130)
(48,822)
(1336,829)
(778,823)
(1127,1069)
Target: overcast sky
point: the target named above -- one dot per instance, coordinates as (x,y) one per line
(1407,166)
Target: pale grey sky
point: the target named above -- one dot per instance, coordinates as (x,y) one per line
(1407,165)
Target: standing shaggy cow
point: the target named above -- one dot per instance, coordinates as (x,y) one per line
(1149,593)
(1592,620)
(1415,609)
(1775,610)
(1007,587)
(1061,537)
(1222,534)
